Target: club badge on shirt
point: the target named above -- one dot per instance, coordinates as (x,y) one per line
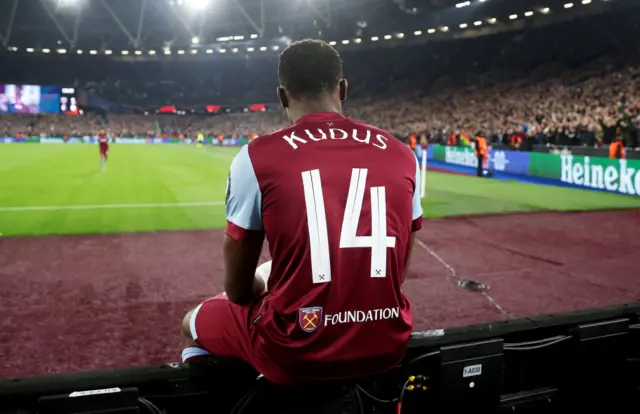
(310,318)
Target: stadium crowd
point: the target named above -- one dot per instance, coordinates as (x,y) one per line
(584,93)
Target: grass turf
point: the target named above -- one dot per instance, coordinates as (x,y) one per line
(58,189)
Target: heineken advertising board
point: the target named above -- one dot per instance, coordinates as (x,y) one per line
(515,162)
(593,173)
(614,175)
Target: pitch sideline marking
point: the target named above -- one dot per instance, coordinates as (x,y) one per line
(108,206)
(454,274)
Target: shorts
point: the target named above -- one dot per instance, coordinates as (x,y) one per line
(104,150)
(227,330)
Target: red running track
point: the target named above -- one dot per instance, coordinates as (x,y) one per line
(76,303)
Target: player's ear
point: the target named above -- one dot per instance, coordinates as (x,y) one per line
(343,89)
(282,95)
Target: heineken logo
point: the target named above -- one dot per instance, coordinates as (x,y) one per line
(591,173)
(460,157)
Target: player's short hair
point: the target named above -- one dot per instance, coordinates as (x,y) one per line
(308,68)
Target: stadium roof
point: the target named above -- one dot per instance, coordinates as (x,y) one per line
(163,27)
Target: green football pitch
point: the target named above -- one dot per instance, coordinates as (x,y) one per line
(58,189)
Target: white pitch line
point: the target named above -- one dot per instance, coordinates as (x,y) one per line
(454,274)
(110,206)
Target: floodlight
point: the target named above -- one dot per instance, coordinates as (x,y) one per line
(345,42)
(568,5)
(332,43)
(477,23)
(68,3)
(196,4)
(195,40)
(374,39)
(463,25)
(528,14)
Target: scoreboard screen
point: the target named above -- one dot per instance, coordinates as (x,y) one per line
(37,99)
(68,101)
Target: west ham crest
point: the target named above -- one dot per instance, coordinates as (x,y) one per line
(310,318)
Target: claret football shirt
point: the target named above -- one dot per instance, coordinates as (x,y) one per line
(338,201)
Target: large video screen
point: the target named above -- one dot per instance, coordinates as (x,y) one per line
(29,99)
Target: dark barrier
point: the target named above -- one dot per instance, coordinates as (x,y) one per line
(572,362)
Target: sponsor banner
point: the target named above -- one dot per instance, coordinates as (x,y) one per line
(597,173)
(514,162)
(132,140)
(51,141)
(123,140)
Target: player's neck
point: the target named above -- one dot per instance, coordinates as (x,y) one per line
(312,107)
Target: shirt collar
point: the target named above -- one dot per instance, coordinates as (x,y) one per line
(320,117)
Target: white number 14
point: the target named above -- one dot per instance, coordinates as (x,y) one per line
(378,242)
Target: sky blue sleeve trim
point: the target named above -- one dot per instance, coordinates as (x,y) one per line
(417,205)
(244,199)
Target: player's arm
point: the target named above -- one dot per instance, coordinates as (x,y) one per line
(416,213)
(244,234)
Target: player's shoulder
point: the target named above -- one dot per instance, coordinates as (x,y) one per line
(263,140)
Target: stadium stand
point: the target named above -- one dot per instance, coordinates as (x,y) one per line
(494,84)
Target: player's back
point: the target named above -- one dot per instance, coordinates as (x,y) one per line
(337,208)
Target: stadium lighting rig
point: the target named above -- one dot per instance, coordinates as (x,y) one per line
(196,39)
(68,3)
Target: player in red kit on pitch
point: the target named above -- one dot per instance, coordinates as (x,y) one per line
(340,216)
(103,142)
